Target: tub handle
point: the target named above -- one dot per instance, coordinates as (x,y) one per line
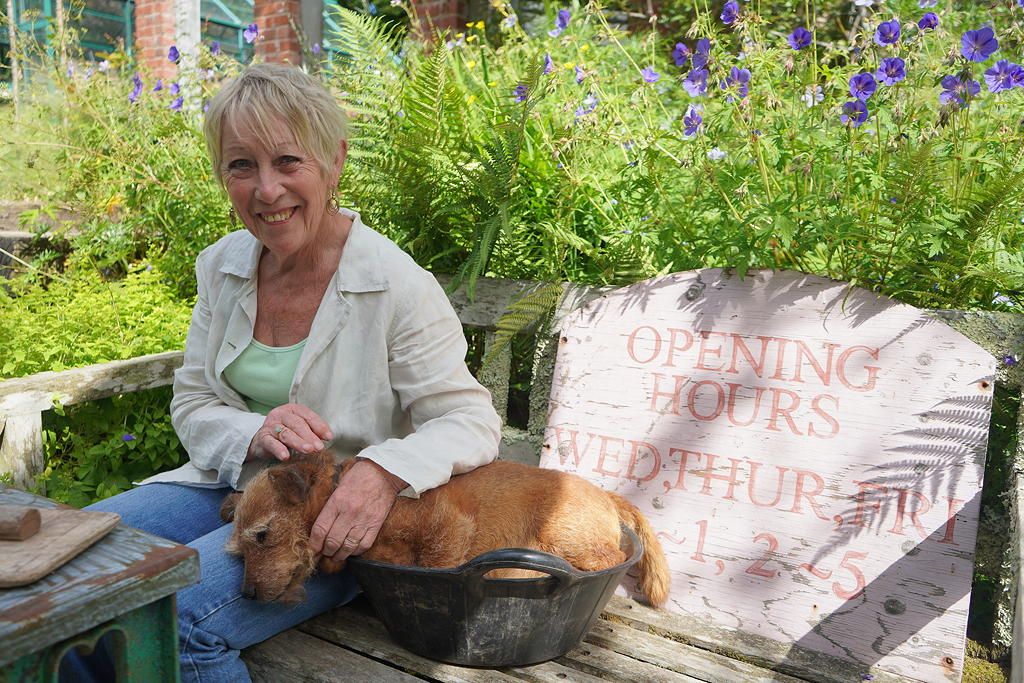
(518,558)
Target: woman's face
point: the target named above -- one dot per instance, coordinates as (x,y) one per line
(277,188)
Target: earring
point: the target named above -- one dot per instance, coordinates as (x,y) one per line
(333,206)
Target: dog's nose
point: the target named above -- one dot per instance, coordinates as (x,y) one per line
(249,590)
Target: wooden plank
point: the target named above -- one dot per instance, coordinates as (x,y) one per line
(21,451)
(596,657)
(365,634)
(814,448)
(1017,509)
(659,652)
(64,534)
(297,657)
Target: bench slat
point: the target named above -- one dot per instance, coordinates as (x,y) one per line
(300,657)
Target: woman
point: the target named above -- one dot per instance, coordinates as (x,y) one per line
(309,328)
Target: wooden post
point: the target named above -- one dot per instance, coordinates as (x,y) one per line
(12,33)
(21,453)
(1017,652)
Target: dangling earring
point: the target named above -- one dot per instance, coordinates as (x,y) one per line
(333,206)
(233,218)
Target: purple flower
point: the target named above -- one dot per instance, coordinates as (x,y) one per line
(215,47)
(957,91)
(977,46)
(680,54)
(855,112)
(927,3)
(696,82)
(127,437)
(173,55)
(251,32)
(561,23)
(799,38)
(137,90)
(549,66)
(731,12)
(580,74)
(737,82)
(702,55)
(159,85)
(691,122)
(176,104)
(891,71)
(589,105)
(104,66)
(520,93)
(1009,360)
(1003,76)
(650,75)
(315,49)
(863,86)
(928,22)
(888,32)
(175,88)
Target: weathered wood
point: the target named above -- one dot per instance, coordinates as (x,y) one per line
(90,589)
(18,522)
(21,451)
(610,662)
(1017,569)
(790,438)
(495,372)
(296,657)
(65,533)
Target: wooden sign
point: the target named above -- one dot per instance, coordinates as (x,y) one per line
(811,456)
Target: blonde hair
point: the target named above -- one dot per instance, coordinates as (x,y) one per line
(264,94)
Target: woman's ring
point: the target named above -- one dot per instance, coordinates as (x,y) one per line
(278,429)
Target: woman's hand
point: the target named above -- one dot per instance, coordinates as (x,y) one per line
(291,426)
(351,518)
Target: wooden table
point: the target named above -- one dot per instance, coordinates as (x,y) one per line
(123,585)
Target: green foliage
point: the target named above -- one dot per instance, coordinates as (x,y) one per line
(81,319)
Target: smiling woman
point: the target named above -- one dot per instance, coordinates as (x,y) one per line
(309,328)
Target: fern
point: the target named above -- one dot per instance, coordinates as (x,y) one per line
(533,308)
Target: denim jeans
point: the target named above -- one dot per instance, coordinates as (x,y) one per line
(214,621)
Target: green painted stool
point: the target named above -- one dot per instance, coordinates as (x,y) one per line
(122,586)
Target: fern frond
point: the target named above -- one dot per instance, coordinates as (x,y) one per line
(532,309)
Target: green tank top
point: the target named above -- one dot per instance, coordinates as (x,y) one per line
(263,374)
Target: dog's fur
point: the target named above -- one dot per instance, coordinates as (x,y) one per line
(501,505)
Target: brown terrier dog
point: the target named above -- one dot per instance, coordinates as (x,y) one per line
(500,505)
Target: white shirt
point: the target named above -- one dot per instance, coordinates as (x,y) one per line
(384,366)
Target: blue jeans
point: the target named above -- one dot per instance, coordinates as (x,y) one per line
(214,621)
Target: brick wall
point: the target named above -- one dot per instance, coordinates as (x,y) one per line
(439,15)
(154,35)
(278,41)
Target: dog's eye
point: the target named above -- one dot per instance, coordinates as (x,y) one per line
(261,536)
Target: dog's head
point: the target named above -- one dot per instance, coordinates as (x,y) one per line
(273,518)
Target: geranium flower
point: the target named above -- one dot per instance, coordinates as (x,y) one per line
(812,96)
(137,90)
(928,22)
(854,113)
(520,93)
(251,33)
(104,66)
(175,88)
(127,437)
(549,65)
(957,91)
(159,85)
(680,54)
(176,104)
(737,82)
(731,12)
(1003,76)
(863,86)
(799,38)
(977,46)
(863,3)
(927,3)
(561,23)
(891,71)
(215,47)
(588,107)
(173,55)
(580,74)
(888,32)
(716,154)
(696,82)
(702,55)
(691,122)
(650,75)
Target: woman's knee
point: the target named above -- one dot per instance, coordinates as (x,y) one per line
(173,511)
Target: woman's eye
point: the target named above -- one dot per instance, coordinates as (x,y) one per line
(288,160)
(239,165)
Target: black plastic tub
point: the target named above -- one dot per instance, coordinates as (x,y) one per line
(461,617)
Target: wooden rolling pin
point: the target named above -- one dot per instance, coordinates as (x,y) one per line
(18,522)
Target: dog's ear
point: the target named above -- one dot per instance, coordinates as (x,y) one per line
(227,508)
(289,484)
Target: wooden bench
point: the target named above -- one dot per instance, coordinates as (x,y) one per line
(630,642)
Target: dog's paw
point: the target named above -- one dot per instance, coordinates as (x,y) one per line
(331,566)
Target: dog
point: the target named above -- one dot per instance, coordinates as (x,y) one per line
(500,505)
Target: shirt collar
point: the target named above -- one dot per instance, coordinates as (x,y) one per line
(360,269)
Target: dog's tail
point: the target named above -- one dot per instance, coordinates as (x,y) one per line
(655,577)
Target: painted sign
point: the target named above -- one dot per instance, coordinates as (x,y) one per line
(811,456)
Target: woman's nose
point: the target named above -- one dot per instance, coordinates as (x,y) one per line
(269,188)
